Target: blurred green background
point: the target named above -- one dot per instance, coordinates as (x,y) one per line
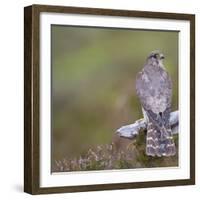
(93,82)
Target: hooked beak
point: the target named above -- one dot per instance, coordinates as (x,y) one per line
(162,56)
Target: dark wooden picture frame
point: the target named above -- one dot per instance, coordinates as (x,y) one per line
(32,92)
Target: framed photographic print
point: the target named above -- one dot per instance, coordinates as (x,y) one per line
(109,99)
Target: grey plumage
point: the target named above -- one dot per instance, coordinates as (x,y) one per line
(154,89)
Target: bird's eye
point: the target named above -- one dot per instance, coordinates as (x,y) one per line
(154,56)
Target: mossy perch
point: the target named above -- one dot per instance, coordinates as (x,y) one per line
(132,130)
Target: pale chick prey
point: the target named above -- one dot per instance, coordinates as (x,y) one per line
(154,89)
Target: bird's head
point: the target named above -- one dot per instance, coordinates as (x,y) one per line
(155,57)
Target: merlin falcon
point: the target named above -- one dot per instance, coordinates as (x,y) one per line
(154,89)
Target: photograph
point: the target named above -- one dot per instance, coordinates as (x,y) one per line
(114,98)
(109,99)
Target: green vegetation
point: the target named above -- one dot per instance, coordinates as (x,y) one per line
(105,157)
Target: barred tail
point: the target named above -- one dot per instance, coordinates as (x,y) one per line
(167,142)
(159,142)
